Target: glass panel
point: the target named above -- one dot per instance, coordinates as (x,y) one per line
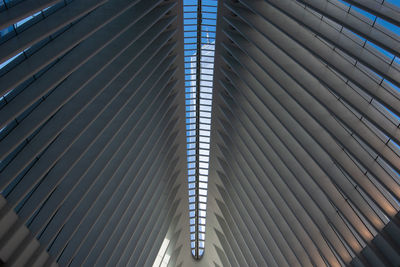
(203,178)
(202,205)
(201,252)
(203,192)
(202,199)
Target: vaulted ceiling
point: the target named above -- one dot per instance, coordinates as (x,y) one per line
(107,125)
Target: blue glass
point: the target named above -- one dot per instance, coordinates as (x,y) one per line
(203,101)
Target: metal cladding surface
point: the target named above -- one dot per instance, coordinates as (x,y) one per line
(306,136)
(297,161)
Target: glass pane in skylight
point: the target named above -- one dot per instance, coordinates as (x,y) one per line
(203,199)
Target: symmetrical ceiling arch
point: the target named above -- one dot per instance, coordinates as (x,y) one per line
(127,125)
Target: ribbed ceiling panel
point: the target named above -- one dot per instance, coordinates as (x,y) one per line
(306,134)
(91,117)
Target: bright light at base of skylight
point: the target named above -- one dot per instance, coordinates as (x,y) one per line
(162,258)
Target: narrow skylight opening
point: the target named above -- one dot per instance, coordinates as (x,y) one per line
(200,19)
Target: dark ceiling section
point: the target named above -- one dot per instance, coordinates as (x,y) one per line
(306,133)
(90,130)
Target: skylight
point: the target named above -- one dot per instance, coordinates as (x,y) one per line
(199,44)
